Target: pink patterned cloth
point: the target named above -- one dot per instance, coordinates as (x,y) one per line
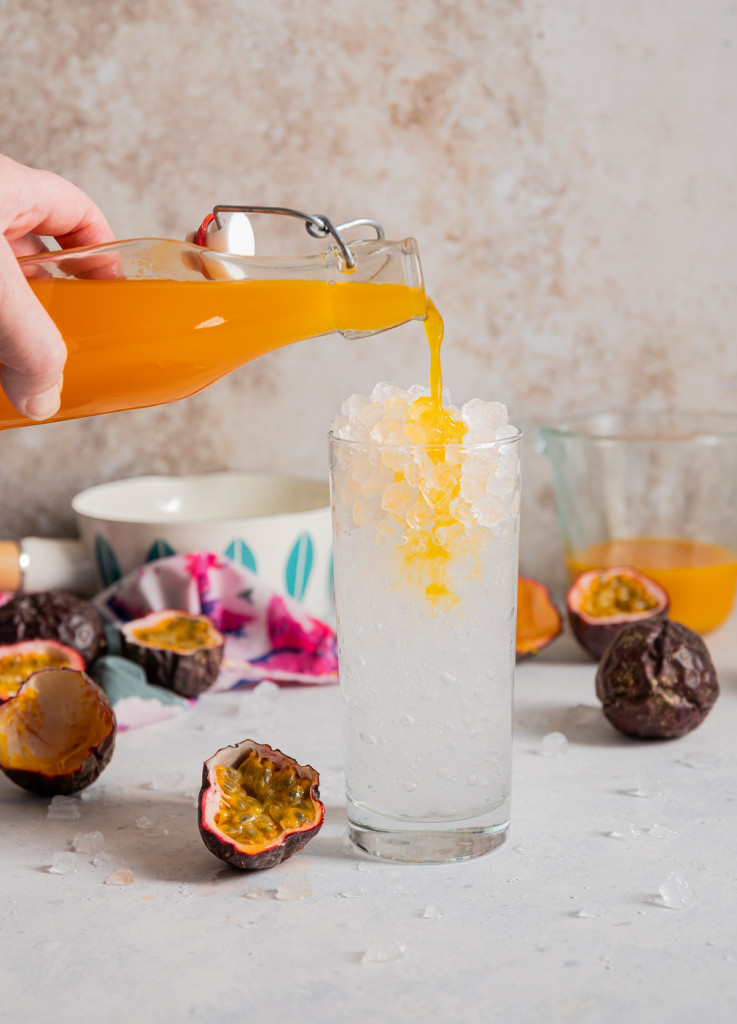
(268,636)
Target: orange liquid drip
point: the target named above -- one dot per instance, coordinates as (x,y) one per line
(700,579)
(138,343)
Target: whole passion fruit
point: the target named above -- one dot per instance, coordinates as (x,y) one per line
(19,661)
(257,806)
(538,620)
(179,651)
(603,601)
(57,733)
(657,680)
(53,615)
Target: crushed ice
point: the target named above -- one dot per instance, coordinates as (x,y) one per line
(675,893)
(65,862)
(121,877)
(352,894)
(645,788)
(701,762)
(431,914)
(167,782)
(554,744)
(88,842)
(297,888)
(64,808)
(387,953)
(590,910)
(260,894)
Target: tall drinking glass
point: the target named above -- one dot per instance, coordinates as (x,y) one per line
(425,551)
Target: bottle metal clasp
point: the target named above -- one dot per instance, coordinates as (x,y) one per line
(317,225)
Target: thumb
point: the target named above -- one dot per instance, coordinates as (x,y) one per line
(32,351)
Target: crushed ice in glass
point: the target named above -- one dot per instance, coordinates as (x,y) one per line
(675,893)
(554,744)
(64,808)
(387,953)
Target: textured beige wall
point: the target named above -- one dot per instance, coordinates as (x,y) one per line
(568,169)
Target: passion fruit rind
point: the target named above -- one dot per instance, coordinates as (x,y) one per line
(180,651)
(57,734)
(538,620)
(657,680)
(257,806)
(54,615)
(602,602)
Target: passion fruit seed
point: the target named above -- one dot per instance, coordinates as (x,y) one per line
(261,801)
(177,633)
(257,806)
(616,594)
(657,680)
(602,602)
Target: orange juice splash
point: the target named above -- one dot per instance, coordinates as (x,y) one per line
(138,343)
(700,579)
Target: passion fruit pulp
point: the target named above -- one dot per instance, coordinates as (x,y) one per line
(657,680)
(257,806)
(19,661)
(57,733)
(178,650)
(53,615)
(602,602)
(538,620)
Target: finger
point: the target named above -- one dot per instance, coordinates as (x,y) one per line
(32,352)
(28,245)
(40,202)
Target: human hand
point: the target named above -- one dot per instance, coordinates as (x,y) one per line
(32,351)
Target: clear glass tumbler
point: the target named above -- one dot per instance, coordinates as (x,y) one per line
(426,550)
(653,490)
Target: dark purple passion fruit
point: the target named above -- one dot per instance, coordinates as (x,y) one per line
(19,661)
(177,650)
(603,601)
(57,733)
(52,615)
(657,680)
(257,806)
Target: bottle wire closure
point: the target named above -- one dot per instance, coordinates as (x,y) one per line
(317,225)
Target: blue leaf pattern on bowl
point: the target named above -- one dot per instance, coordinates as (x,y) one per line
(240,552)
(299,566)
(159,549)
(107,564)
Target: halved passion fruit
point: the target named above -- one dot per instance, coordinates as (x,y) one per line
(178,650)
(603,601)
(19,661)
(257,806)
(538,620)
(57,733)
(53,615)
(657,680)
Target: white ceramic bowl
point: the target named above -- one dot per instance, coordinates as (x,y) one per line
(279,527)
